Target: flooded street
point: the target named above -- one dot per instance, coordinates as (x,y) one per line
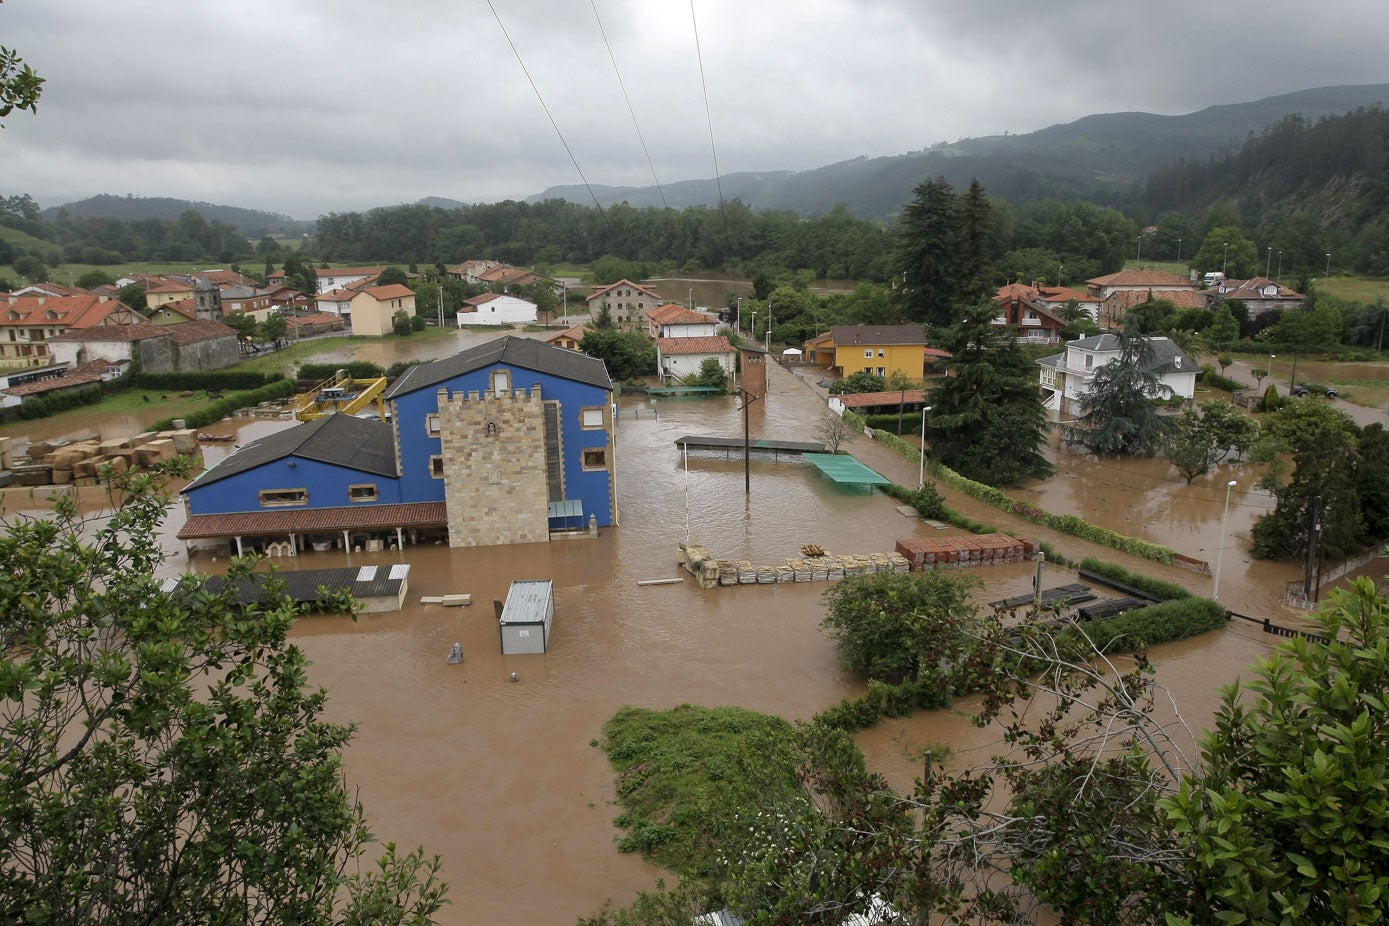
(501,778)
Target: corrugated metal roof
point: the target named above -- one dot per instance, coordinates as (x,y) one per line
(528,602)
(362,444)
(843,468)
(306,585)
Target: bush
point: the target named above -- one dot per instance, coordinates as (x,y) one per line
(43,406)
(215,381)
(1159,623)
(1158,588)
(357,369)
(1211,378)
(279,389)
(926,500)
(1053,555)
(1272,401)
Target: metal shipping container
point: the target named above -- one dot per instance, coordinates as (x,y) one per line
(526,617)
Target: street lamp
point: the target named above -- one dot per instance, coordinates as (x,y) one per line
(1328,264)
(691,299)
(1220,547)
(1225,259)
(1270,363)
(921,469)
(1279,279)
(1268,262)
(1179,250)
(1140,250)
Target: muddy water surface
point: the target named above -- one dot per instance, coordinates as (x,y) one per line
(500,777)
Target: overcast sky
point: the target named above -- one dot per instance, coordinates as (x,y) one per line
(312,106)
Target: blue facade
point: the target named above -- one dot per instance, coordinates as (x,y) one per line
(325,485)
(417,446)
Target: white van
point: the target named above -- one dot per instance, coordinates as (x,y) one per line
(1212,278)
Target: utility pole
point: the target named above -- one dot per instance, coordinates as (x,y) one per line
(1037,584)
(748,399)
(1313,536)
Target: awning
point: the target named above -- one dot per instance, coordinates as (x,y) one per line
(843,468)
(792,351)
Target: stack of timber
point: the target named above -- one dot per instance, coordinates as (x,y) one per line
(971,550)
(826,566)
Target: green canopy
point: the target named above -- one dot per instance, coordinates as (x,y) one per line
(845,469)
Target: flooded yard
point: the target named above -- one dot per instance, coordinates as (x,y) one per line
(502,778)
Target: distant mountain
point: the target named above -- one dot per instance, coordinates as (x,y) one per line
(440,202)
(1101,157)
(252,223)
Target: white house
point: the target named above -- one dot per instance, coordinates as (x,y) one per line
(496,309)
(678,358)
(675,321)
(1066,377)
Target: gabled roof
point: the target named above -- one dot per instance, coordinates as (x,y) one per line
(390,291)
(1167,356)
(362,444)
(672,314)
(347,271)
(1181,298)
(199,330)
(73,311)
(489,297)
(526,353)
(189,332)
(892,397)
(604,290)
(1254,289)
(574,334)
(187,307)
(1140,278)
(704,345)
(874,335)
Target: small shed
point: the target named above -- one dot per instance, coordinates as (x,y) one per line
(526,617)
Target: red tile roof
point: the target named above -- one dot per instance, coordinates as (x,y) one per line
(894,397)
(71,311)
(307,520)
(705,345)
(672,314)
(604,290)
(1138,278)
(1181,298)
(390,291)
(574,334)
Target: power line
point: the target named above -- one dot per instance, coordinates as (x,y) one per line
(709,120)
(633,112)
(553,123)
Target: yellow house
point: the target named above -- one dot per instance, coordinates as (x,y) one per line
(374,307)
(880,349)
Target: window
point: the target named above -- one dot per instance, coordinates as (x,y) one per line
(283,498)
(436,466)
(1089,361)
(501,382)
(361,493)
(431,424)
(868,353)
(882,371)
(880,352)
(592,418)
(596,459)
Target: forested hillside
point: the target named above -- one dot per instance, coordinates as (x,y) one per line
(1305,187)
(251,223)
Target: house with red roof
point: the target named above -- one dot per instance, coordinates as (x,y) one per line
(29,323)
(1259,295)
(1032,321)
(1156,280)
(676,321)
(679,358)
(569,338)
(374,308)
(627,301)
(1118,304)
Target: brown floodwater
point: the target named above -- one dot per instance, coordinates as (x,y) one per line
(502,778)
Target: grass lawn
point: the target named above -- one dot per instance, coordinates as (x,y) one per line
(1357,289)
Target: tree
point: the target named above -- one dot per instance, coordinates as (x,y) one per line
(859,381)
(134,296)
(165,759)
(711,373)
(928,252)
(400,324)
(244,325)
(1117,415)
(893,626)
(1318,502)
(30,268)
(392,275)
(986,420)
(274,328)
(1286,823)
(833,430)
(1226,249)
(1224,328)
(627,354)
(20,86)
(1204,437)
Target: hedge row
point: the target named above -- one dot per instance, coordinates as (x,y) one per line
(883,700)
(1211,378)
(855,421)
(1158,623)
(1158,588)
(357,369)
(279,389)
(216,381)
(43,406)
(887,421)
(925,505)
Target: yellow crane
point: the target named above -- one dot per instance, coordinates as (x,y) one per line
(340,394)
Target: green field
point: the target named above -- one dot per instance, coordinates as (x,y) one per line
(1357,289)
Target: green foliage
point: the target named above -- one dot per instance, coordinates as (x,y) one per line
(20,85)
(987,421)
(893,626)
(401,325)
(392,275)
(926,500)
(165,759)
(859,382)
(1117,415)
(627,354)
(685,775)
(1158,588)
(1290,820)
(711,373)
(357,369)
(244,325)
(274,328)
(1219,381)
(55,402)
(211,380)
(1271,401)
(1203,437)
(1227,249)
(1313,329)
(1158,623)
(279,389)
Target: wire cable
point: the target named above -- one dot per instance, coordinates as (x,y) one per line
(709,120)
(611,57)
(548,115)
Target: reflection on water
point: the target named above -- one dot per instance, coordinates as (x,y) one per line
(500,776)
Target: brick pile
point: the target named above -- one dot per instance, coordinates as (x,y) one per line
(967,551)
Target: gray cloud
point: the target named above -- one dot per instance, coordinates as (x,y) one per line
(304,106)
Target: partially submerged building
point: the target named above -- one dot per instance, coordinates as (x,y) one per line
(507,442)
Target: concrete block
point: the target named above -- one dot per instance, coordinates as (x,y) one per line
(87,468)
(185,441)
(108,447)
(156,451)
(62,476)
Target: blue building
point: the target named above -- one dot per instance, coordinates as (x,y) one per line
(507,442)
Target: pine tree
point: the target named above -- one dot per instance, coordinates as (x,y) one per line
(1117,415)
(928,253)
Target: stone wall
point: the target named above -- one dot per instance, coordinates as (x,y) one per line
(494,467)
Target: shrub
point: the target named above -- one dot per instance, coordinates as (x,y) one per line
(215,381)
(1211,378)
(220,409)
(1159,623)
(357,369)
(1158,588)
